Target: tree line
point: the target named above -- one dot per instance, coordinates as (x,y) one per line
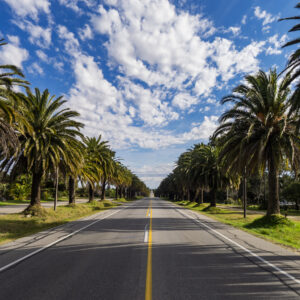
(40,137)
(258,137)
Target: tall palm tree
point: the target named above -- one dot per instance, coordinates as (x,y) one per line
(260,130)
(97,155)
(294,60)
(10,76)
(197,170)
(48,134)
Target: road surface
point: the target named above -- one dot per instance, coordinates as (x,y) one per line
(152,249)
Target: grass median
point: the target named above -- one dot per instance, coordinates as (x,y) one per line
(13,226)
(277,228)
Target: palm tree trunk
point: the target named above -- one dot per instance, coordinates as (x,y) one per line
(213,201)
(196,195)
(71,190)
(36,188)
(103,190)
(201,199)
(56,188)
(91,192)
(273,201)
(245,196)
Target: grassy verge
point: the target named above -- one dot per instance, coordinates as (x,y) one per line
(14,226)
(17,202)
(277,229)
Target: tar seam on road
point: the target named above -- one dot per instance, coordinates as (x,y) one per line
(245,249)
(53,243)
(148,291)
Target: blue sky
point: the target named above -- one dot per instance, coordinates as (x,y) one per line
(146,74)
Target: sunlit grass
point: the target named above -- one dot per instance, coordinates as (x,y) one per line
(14,226)
(277,228)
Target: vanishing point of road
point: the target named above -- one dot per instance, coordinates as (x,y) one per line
(153,249)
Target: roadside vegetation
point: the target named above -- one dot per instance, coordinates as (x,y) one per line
(13,226)
(44,155)
(276,228)
(252,159)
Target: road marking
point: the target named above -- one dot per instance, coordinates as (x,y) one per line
(53,243)
(146,234)
(245,249)
(147,213)
(148,291)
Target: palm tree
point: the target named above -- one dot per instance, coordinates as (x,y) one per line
(9,78)
(294,60)
(48,135)
(97,155)
(260,131)
(197,170)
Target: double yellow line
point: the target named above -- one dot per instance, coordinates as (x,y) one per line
(148,291)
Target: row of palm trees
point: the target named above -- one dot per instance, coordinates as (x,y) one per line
(40,135)
(259,133)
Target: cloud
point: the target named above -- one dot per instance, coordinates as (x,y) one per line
(85,33)
(71,43)
(42,55)
(244,19)
(12,53)
(184,100)
(276,44)
(181,57)
(73,4)
(152,88)
(35,69)
(37,35)
(30,8)
(235,30)
(265,16)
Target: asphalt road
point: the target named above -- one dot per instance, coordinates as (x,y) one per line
(110,259)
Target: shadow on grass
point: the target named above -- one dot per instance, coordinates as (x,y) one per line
(270,222)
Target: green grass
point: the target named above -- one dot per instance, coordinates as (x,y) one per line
(277,228)
(254,207)
(14,226)
(17,202)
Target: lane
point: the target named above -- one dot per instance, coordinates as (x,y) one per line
(189,262)
(105,261)
(110,259)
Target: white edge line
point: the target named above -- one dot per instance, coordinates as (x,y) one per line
(53,243)
(247,250)
(146,234)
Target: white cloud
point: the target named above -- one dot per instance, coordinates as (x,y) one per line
(42,55)
(180,59)
(71,43)
(184,100)
(85,33)
(58,65)
(235,30)
(265,16)
(35,69)
(37,35)
(244,19)
(73,4)
(276,44)
(134,109)
(12,53)
(30,8)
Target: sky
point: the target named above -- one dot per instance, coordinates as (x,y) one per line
(147,75)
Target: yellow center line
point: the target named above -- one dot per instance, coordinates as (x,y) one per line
(148,292)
